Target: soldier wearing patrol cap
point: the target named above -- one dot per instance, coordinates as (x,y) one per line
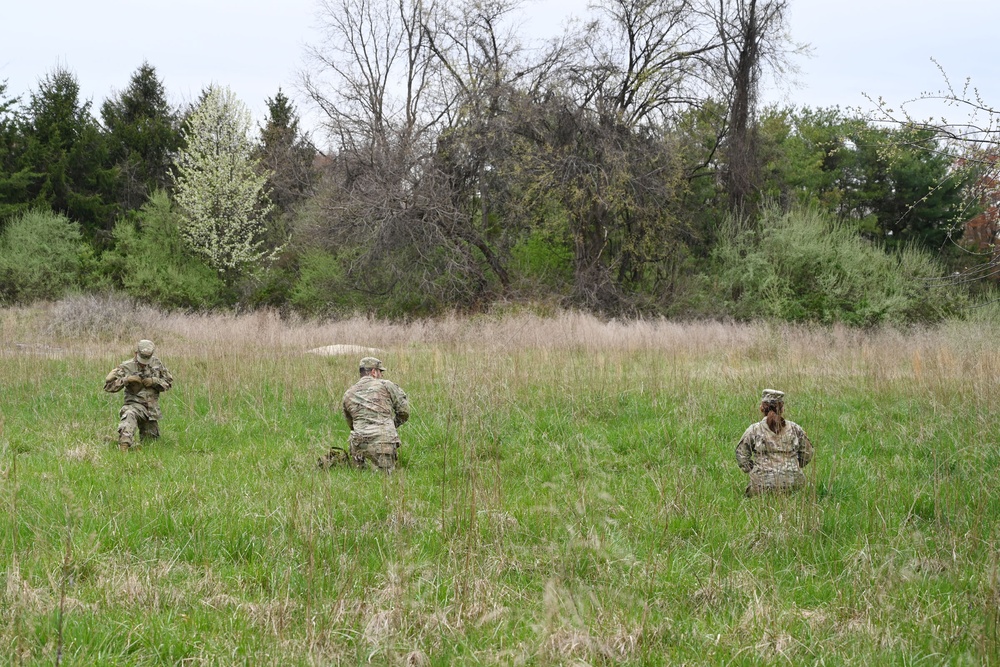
(374,408)
(774,450)
(142,378)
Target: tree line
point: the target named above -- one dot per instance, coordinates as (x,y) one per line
(624,167)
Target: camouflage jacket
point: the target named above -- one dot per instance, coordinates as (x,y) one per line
(374,408)
(774,460)
(136,393)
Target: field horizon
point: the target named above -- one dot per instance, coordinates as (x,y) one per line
(567,494)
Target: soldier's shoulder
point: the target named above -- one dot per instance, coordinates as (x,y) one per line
(754,428)
(128,364)
(793,426)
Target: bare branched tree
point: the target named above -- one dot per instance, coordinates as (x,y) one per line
(398,88)
(636,66)
(370,76)
(644,59)
(754,40)
(452,141)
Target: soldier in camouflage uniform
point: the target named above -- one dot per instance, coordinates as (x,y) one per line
(773,451)
(142,378)
(374,408)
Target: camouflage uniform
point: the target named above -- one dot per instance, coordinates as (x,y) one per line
(374,408)
(143,378)
(774,461)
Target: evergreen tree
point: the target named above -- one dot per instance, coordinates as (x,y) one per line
(288,154)
(896,185)
(65,157)
(144,134)
(219,184)
(13,180)
(912,192)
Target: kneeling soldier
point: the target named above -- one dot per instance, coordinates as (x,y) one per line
(143,378)
(374,408)
(773,451)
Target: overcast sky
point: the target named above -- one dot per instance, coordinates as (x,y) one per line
(879,47)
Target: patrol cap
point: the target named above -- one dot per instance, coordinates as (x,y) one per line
(144,350)
(370,363)
(772,396)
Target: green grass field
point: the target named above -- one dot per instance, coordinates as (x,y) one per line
(567,495)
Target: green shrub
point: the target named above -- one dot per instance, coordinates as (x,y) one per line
(40,254)
(802,266)
(152,262)
(541,260)
(318,287)
(324,287)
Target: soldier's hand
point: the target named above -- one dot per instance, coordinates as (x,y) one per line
(148,382)
(133,379)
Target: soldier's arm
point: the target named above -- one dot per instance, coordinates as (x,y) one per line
(400,404)
(744,454)
(115,380)
(162,379)
(805,450)
(347,414)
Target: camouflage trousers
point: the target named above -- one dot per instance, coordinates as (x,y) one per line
(774,481)
(132,418)
(382,455)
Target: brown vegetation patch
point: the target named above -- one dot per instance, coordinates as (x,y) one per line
(416,658)
(380,627)
(84,451)
(924,567)
(776,644)
(21,592)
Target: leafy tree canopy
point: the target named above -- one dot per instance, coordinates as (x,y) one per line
(897,185)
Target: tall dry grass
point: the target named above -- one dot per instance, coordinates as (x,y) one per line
(99,326)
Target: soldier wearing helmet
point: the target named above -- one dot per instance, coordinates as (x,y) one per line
(774,450)
(374,408)
(142,378)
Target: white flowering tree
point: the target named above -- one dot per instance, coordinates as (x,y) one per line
(219,185)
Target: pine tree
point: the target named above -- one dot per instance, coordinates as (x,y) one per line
(14,181)
(219,185)
(65,157)
(287,152)
(143,136)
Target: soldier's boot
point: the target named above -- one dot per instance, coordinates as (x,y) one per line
(126,437)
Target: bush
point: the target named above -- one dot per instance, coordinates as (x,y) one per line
(801,266)
(40,254)
(543,263)
(152,263)
(318,289)
(326,288)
